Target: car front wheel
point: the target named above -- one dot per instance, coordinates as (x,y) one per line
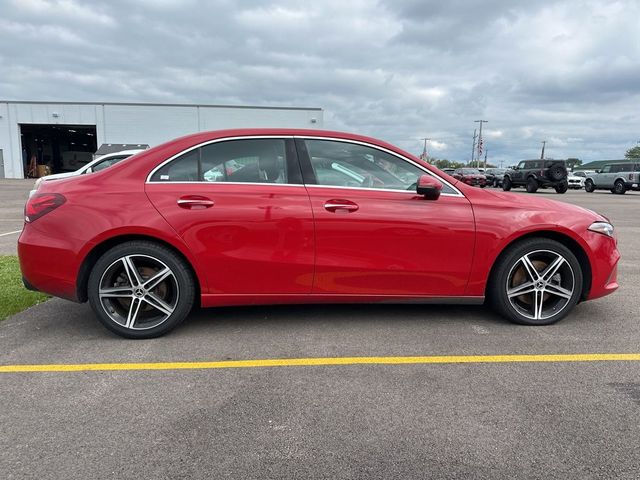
(506,184)
(140,289)
(536,282)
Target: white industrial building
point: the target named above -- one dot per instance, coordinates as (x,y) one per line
(64,136)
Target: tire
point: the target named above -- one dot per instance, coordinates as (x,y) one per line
(532,185)
(506,184)
(557,172)
(619,187)
(532,297)
(561,188)
(589,187)
(140,289)
(496,183)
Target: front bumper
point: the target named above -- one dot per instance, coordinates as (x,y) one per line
(604,265)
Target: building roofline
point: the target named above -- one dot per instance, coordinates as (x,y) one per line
(141,104)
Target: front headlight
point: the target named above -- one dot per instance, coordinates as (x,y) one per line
(604,228)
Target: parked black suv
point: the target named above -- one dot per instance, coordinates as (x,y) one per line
(537,173)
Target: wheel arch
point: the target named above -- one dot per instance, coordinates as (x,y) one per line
(99,249)
(560,237)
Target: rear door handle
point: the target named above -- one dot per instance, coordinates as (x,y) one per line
(195,202)
(340,206)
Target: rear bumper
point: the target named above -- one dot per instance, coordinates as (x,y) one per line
(48,264)
(632,186)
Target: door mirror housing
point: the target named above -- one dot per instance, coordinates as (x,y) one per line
(429,187)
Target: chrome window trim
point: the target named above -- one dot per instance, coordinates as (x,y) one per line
(386,150)
(169,182)
(148,180)
(217,140)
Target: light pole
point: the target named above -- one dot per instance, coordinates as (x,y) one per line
(424,150)
(480,145)
(473,148)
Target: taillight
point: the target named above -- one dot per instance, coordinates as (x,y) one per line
(40,204)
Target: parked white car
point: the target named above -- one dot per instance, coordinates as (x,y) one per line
(96,165)
(576,179)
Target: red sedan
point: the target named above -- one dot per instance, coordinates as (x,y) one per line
(275,216)
(471,176)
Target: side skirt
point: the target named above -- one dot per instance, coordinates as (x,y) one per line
(209,300)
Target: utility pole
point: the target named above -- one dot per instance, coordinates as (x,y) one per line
(424,151)
(473,149)
(544,142)
(485,158)
(480,138)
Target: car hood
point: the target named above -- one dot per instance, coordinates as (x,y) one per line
(534,203)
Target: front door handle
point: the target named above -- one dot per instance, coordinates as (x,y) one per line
(340,206)
(195,202)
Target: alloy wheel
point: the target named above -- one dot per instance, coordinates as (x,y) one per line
(138,292)
(540,285)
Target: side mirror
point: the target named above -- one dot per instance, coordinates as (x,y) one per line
(598,171)
(429,187)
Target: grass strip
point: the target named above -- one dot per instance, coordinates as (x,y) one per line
(13,296)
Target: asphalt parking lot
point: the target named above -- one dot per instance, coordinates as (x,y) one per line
(537,419)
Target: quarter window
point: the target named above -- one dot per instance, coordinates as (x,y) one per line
(343,164)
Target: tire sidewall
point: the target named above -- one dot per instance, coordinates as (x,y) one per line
(182,273)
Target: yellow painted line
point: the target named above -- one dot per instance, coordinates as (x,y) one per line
(313,362)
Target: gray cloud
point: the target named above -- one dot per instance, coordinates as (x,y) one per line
(567,72)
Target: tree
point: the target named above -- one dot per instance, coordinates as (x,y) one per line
(633,152)
(573,162)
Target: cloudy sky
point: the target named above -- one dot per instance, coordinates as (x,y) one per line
(567,72)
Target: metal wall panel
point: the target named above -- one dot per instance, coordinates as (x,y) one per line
(139,123)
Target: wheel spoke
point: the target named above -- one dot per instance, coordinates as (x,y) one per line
(134,308)
(531,269)
(131,271)
(156,279)
(116,292)
(522,289)
(157,303)
(538,297)
(552,268)
(558,291)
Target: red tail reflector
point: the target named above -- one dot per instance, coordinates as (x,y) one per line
(40,204)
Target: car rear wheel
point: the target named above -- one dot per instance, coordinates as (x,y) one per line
(562,188)
(532,185)
(536,282)
(506,184)
(619,187)
(141,289)
(589,186)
